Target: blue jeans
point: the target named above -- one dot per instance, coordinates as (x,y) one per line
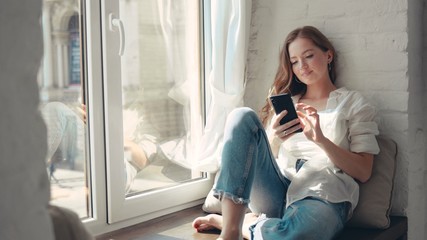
(250,175)
(63,125)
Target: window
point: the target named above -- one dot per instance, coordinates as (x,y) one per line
(153,97)
(60,81)
(137,68)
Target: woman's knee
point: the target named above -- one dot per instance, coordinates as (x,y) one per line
(243,112)
(55,107)
(242,115)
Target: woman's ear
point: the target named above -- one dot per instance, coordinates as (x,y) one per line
(330,56)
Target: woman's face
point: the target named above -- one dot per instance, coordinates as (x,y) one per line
(309,63)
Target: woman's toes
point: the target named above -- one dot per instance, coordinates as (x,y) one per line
(205,223)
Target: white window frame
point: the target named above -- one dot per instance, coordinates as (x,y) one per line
(114,212)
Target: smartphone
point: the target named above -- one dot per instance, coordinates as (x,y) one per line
(284,102)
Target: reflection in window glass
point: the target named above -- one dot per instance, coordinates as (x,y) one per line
(61,90)
(161,85)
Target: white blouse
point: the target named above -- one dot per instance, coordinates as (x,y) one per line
(348,121)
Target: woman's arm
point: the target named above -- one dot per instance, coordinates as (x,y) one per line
(357,165)
(137,154)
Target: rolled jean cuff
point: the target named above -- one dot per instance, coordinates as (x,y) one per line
(220,194)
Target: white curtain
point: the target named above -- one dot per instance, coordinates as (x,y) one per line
(180,35)
(226,32)
(227,39)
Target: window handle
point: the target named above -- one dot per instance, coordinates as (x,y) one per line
(116,23)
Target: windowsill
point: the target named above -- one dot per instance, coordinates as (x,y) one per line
(173,226)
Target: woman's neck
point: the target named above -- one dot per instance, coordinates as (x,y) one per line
(317,92)
(317,96)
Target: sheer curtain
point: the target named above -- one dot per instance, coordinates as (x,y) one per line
(183,67)
(227,36)
(226,29)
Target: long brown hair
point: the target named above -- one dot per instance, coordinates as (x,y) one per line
(285,81)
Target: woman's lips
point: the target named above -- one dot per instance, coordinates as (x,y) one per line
(304,74)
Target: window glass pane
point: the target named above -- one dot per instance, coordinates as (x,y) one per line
(61,84)
(161,91)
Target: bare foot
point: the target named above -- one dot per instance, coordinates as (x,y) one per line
(208,222)
(214,221)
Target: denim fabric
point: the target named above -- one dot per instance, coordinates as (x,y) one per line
(248,168)
(62,125)
(250,175)
(309,218)
(299,164)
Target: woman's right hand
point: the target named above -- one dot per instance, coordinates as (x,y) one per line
(286,130)
(82,111)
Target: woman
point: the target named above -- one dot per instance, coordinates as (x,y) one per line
(297,185)
(64,122)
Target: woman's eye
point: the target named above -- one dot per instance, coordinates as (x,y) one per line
(309,56)
(293,63)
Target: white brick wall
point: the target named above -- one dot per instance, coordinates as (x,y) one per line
(380,54)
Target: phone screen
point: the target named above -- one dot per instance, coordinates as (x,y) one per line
(284,102)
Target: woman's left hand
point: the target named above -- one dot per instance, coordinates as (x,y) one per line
(309,119)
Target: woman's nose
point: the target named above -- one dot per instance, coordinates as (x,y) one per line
(302,64)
